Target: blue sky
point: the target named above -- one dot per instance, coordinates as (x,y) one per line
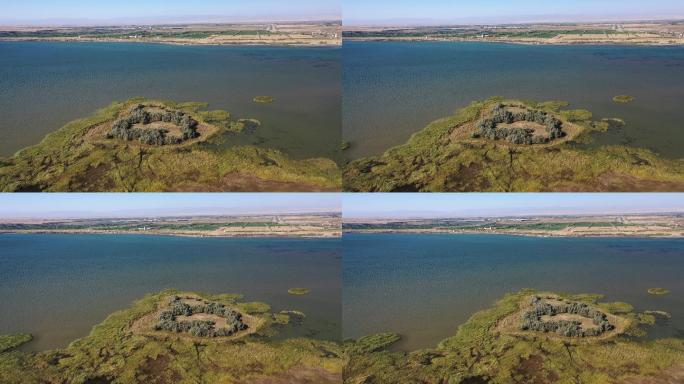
(385,205)
(159,11)
(427,12)
(79,205)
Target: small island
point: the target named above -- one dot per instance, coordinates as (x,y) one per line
(623,99)
(658,291)
(175,336)
(142,145)
(263,99)
(538,337)
(298,291)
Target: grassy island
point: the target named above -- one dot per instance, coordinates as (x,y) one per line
(658,291)
(500,145)
(145,145)
(298,291)
(264,99)
(134,346)
(623,99)
(527,337)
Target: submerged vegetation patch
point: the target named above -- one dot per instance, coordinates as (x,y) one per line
(298,291)
(131,147)
(126,348)
(465,152)
(658,291)
(264,99)
(623,99)
(491,347)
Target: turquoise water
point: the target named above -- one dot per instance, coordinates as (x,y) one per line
(424,286)
(43,85)
(393,89)
(58,287)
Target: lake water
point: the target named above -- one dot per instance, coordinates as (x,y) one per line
(44,85)
(424,286)
(57,287)
(393,89)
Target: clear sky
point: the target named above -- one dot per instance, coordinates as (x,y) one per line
(83,205)
(87,12)
(426,12)
(384,205)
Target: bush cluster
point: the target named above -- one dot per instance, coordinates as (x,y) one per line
(532,319)
(124,128)
(489,129)
(201,328)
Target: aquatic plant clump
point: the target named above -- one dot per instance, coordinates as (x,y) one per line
(532,319)
(168,320)
(489,128)
(298,291)
(658,291)
(264,99)
(125,128)
(623,99)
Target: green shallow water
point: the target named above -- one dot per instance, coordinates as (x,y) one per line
(57,287)
(44,85)
(424,286)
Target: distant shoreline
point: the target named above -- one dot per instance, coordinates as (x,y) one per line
(322,235)
(513,42)
(162,42)
(512,233)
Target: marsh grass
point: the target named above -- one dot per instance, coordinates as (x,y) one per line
(8,342)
